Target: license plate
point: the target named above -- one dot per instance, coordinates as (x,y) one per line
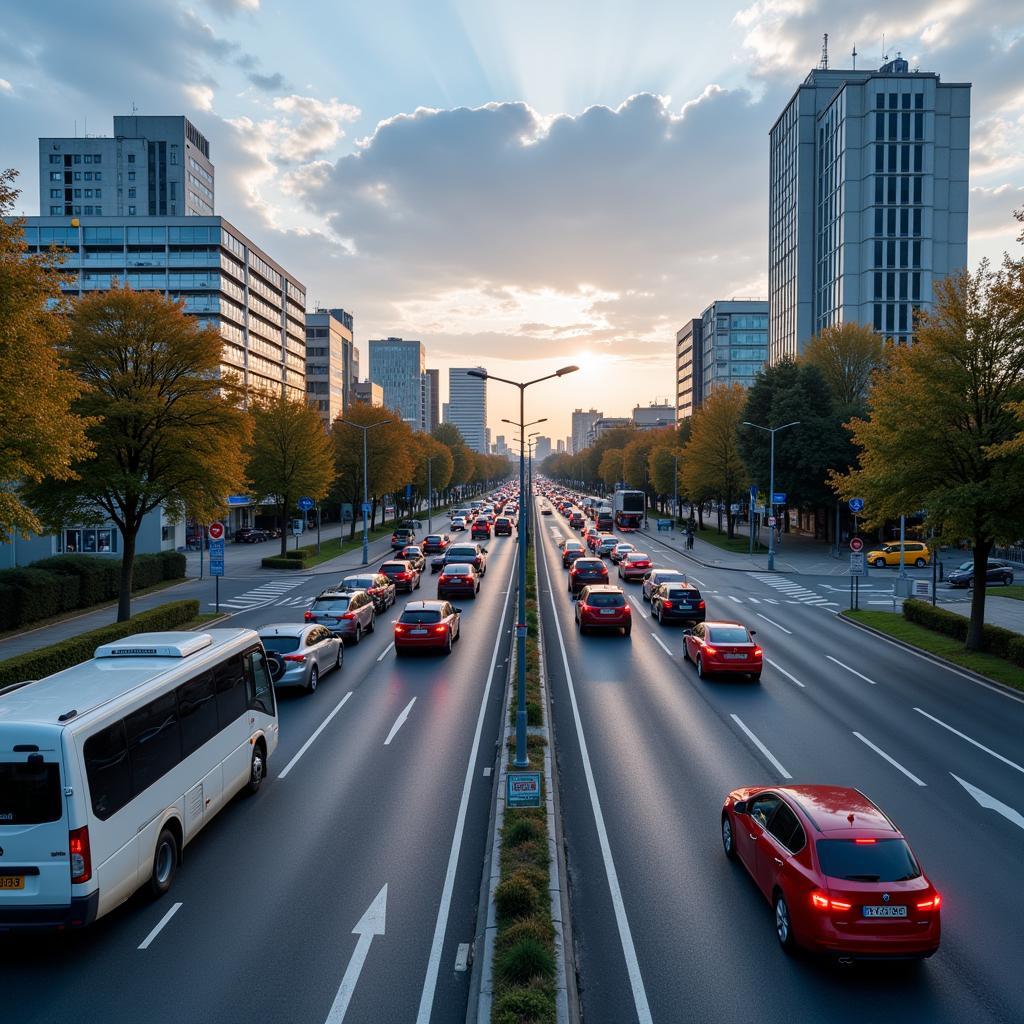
(884,911)
(607,611)
(12,881)
(735,657)
(417,632)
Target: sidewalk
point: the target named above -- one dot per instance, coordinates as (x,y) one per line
(999,611)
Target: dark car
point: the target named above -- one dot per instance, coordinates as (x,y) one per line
(576,520)
(995,572)
(414,553)
(571,550)
(584,572)
(474,553)
(403,574)
(677,602)
(603,607)
(250,535)
(458,578)
(376,584)
(401,537)
(503,526)
(481,528)
(435,543)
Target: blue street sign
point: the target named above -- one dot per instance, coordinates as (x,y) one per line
(523,789)
(408,490)
(366,508)
(239,499)
(779,498)
(306,504)
(217,557)
(753,494)
(856,504)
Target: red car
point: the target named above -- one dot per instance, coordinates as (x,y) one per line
(458,578)
(603,607)
(840,876)
(427,625)
(725,648)
(480,530)
(403,574)
(634,566)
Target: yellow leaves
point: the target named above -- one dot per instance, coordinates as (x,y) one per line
(712,466)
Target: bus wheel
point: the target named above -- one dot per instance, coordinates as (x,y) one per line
(165,863)
(257,768)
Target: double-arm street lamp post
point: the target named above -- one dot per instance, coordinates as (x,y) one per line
(522,760)
(430,493)
(771,482)
(366,499)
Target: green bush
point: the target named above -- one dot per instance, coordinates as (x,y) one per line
(524,830)
(516,896)
(524,1006)
(1003,643)
(533,927)
(76,649)
(525,960)
(30,594)
(174,563)
(99,577)
(277,562)
(147,571)
(299,553)
(1015,650)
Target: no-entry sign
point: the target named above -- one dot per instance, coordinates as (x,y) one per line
(216,531)
(856,544)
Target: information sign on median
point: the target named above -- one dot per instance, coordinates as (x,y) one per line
(771,520)
(779,498)
(858,564)
(216,532)
(523,789)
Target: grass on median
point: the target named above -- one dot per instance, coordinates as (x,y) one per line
(739,543)
(534,715)
(1015,592)
(947,647)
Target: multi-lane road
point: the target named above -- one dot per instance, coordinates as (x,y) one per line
(666,928)
(351,880)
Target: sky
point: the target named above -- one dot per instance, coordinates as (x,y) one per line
(519,185)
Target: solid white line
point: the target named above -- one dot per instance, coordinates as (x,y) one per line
(753,600)
(736,599)
(700,583)
(636,980)
(770,600)
(399,722)
(639,606)
(661,645)
(441,925)
(852,670)
(779,668)
(383,654)
(760,746)
(156,931)
(774,623)
(881,753)
(320,728)
(964,736)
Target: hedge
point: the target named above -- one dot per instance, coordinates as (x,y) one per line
(67,583)
(65,653)
(1003,643)
(277,562)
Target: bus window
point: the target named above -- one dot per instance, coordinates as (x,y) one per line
(154,741)
(197,712)
(261,690)
(231,695)
(106,766)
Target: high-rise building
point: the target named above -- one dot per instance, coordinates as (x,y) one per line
(560,446)
(397,365)
(467,407)
(433,399)
(542,449)
(867,201)
(500,445)
(329,359)
(224,279)
(444,413)
(370,393)
(654,415)
(734,341)
(602,425)
(689,370)
(582,423)
(152,166)
(353,374)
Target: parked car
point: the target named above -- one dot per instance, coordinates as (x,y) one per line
(677,602)
(435,543)
(348,614)
(586,571)
(413,554)
(376,584)
(840,876)
(502,526)
(723,648)
(299,654)
(657,576)
(634,565)
(403,574)
(427,625)
(401,537)
(250,535)
(458,578)
(915,553)
(995,572)
(603,607)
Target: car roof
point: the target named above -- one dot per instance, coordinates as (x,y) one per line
(639,554)
(424,606)
(680,585)
(829,808)
(723,622)
(284,628)
(604,588)
(395,561)
(668,572)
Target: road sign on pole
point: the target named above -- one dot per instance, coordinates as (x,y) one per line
(778,497)
(216,532)
(305,504)
(856,504)
(856,544)
(858,564)
(771,520)
(523,789)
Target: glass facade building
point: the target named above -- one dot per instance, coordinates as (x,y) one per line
(331,369)
(398,366)
(467,407)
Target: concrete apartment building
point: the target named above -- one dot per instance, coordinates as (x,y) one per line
(398,366)
(689,371)
(332,363)
(370,393)
(868,193)
(653,416)
(582,424)
(432,400)
(467,407)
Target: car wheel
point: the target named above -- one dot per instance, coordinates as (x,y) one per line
(879,563)
(359,634)
(373,623)
(1008,580)
(755,677)
(458,633)
(728,839)
(314,678)
(340,660)
(661,615)
(628,630)
(783,924)
(920,563)
(970,584)
(686,652)
(700,667)
(165,864)
(418,580)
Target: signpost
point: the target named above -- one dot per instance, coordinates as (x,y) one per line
(523,789)
(779,498)
(858,568)
(856,505)
(216,532)
(856,544)
(771,520)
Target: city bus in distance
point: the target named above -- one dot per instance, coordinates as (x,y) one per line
(108,769)
(629,509)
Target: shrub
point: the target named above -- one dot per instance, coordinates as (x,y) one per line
(524,1006)
(1003,643)
(277,562)
(525,960)
(76,649)
(99,577)
(299,553)
(524,830)
(147,571)
(1015,650)
(31,594)
(174,563)
(533,928)
(516,896)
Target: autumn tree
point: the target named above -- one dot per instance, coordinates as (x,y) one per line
(941,414)
(712,464)
(846,354)
(166,426)
(610,469)
(665,467)
(463,465)
(442,465)
(290,456)
(41,437)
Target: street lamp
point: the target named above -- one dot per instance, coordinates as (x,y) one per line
(430,493)
(366,498)
(522,761)
(771,484)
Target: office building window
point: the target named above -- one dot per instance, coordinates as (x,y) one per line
(131,158)
(56,193)
(131,211)
(87,159)
(55,158)
(131,193)
(88,175)
(78,158)
(88,211)
(99,211)
(131,175)
(78,193)
(54,211)
(88,193)
(56,176)
(99,193)
(78,175)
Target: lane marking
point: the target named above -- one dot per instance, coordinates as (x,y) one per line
(774,623)
(441,925)
(639,606)
(399,722)
(991,803)
(160,925)
(689,575)
(853,670)
(753,600)
(487,772)
(657,640)
(320,728)
(736,599)
(778,668)
(760,746)
(636,981)
(881,753)
(964,736)
(383,654)
(371,924)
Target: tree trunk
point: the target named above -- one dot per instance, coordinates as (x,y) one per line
(285,524)
(975,640)
(124,597)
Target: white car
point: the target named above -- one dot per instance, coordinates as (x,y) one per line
(458,523)
(620,551)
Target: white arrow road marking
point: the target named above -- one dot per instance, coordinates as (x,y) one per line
(964,736)
(370,924)
(399,722)
(992,803)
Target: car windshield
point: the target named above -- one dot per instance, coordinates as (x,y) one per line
(964,565)
(728,635)
(461,553)
(411,552)
(389,567)
(455,568)
(885,860)
(664,577)
(421,617)
(331,604)
(588,565)
(606,600)
(359,582)
(281,644)
(30,793)
(434,538)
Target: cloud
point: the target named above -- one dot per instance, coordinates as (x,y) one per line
(6,86)
(199,95)
(229,8)
(271,83)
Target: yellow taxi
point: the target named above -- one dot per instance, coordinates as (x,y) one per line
(914,553)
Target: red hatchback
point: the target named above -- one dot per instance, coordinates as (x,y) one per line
(427,625)
(634,566)
(840,876)
(458,578)
(603,607)
(723,648)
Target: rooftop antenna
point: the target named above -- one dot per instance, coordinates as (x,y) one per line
(135,109)
(854,55)
(824,53)
(885,56)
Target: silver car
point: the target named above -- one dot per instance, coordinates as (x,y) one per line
(656,576)
(300,653)
(347,614)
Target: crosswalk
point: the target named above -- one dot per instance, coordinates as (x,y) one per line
(793,592)
(268,593)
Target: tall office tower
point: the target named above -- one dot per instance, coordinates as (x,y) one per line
(868,188)
(467,407)
(689,373)
(734,343)
(397,365)
(151,167)
(582,424)
(352,375)
(329,356)
(542,449)
(433,399)
(560,446)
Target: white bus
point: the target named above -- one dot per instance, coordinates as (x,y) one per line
(108,769)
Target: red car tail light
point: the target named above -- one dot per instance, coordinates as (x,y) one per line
(349,615)
(666,604)
(300,658)
(403,576)
(627,609)
(822,902)
(757,652)
(933,904)
(81,856)
(399,628)
(710,650)
(442,628)
(700,604)
(308,616)
(864,842)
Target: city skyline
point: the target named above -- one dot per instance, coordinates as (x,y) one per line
(488,251)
